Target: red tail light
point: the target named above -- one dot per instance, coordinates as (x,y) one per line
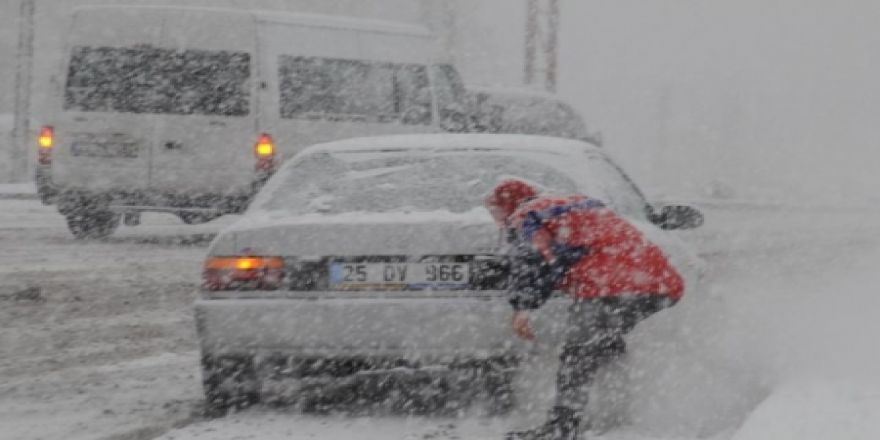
(46,142)
(264,150)
(243,273)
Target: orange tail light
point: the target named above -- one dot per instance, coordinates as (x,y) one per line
(264,150)
(243,273)
(46,142)
(265,146)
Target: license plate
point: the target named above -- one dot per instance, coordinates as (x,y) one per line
(399,276)
(105,149)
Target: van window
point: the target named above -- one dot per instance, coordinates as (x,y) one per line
(341,89)
(145,79)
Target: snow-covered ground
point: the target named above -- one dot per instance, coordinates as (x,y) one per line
(97,341)
(18,190)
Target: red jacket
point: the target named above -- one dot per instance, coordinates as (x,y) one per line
(620,260)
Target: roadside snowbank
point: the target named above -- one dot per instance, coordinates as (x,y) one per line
(781,346)
(823,352)
(847,408)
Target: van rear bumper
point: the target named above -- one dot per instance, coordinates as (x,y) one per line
(72,199)
(232,198)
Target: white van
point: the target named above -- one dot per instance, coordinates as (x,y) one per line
(189,110)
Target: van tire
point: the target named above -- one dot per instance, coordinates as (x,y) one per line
(91,225)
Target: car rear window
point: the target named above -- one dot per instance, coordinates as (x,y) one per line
(145,79)
(386,182)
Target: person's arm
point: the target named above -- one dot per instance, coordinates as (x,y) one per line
(538,265)
(535,272)
(527,286)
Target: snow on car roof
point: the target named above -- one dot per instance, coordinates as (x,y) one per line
(456,142)
(305,19)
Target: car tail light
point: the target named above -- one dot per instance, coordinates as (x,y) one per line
(243,273)
(264,150)
(46,142)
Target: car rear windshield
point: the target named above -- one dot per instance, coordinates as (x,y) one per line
(389,182)
(147,79)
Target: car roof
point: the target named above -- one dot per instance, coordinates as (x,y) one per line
(285,17)
(500,142)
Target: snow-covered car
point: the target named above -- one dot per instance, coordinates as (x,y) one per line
(374,257)
(531,112)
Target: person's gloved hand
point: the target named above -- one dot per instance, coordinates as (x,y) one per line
(522,325)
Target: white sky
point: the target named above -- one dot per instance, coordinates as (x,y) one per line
(766,93)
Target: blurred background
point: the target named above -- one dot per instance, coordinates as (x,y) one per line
(769,100)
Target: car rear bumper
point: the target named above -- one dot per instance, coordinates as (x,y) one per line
(425,329)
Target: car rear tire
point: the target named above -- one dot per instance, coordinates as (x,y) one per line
(230,384)
(498,386)
(90,225)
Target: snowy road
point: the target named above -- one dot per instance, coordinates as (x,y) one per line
(96,339)
(97,342)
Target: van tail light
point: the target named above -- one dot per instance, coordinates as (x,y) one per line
(46,142)
(264,151)
(243,273)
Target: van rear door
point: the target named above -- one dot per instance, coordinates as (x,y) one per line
(103,136)
(207,126)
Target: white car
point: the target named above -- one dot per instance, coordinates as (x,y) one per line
(374,257)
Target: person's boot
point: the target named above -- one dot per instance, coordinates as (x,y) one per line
(563,424)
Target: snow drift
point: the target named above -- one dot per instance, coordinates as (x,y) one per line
(780,345)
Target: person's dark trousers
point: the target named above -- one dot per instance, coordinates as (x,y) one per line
(595,337)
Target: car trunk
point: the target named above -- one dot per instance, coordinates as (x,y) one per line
(391,255)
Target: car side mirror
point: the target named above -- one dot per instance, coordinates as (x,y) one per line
(678,217)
